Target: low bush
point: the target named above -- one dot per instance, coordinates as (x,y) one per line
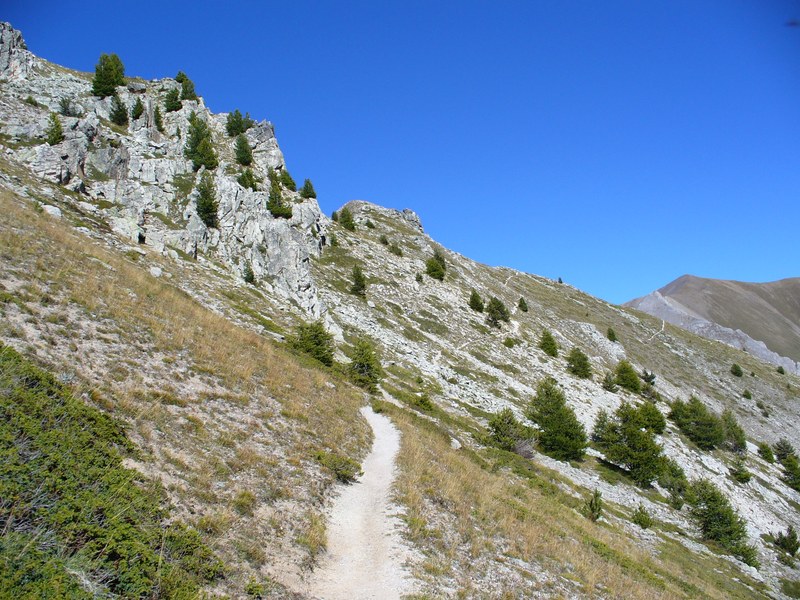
(506,432)
(548,344)
(642,518)
(345,469)
(313,339)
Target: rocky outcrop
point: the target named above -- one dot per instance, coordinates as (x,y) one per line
(141,182)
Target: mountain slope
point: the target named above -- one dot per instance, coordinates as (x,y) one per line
(110,280)
(763,312)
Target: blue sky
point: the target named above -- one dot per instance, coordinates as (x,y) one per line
(615,144)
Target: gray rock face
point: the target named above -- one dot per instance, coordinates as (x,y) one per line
(143,184)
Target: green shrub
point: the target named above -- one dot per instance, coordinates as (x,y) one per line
(788,541)
(626,441)
(248,180)
(609,382)
(765,452)
(718,521)
(510,342)
(55,133)
(522,305)
(505,431)
(436,265)
(138,109)
(32,101)
(346,219)
(158,119)
(496,312)
(172,101)
(244,502)
(365,368)
(248,275)
(791,472)
(418,278)
(578,363)
(747,395)
(642,518)
(187,86)
(66,108)
(739,471)
(108,74)
(344,468)
(236,124)
(314,340)
(593,507)
(286,180)
(255,590)
(698,424)
(627,378)
(673,479)
(783,449)
(242,151)
(307,191)
(199,147)
(781,370)
(276,204)
(475,301)
(736,370)
(547,343)
(207,205)
(383,239)
(395,249)
(359,286)
(370,224)
(611,335)
(735,439)
(74,503)
(119,112)
(561,435)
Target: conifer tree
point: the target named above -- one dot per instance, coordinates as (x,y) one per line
(119,112)
(158,119)
(522,305)
(236,124)
(172,101)
(307,191)
(547,343)
(314,340)
(626,441)
(287,180)
(346,219)
(276,204)
(496,312)
(562,436)
(627,377)
(244,155)
(578,363)
(359,287)
(108,74)
(475,301)
(248,180)
(436,265)
(199,148)
(506,431)
(365,366)
(611,334)
(138,109)
(55,133)
(187,86)
(207,205)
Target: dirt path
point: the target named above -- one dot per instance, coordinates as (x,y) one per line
(365,553)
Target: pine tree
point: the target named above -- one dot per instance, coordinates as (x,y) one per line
(346,219)
(55,133)
(307,191)
(609,382)
(736,370)
(119,112)
(436,265)
(236,124)
(287,180)
(735,439)
(783,450)
(172,101)
(199,148)
(611,334)
(476,302)
(627,377)
(158,120)
(365,367)
(506,431)
(496,312)
(248,275)
(207,205)
(522,305)
(138,109)
(314,340)
(244,155)
(562,436)
(578,363)
(626,441)
(108,74)
(716,518)
(652,418)
(248,180)
(187,86)
(359,287)
(547,343)
(697,423)
(276,204)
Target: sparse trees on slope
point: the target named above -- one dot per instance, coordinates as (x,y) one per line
(699,424)
(562,436)
(158,119)
(108,74)
(522,305)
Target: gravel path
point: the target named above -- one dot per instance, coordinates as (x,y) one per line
(365,553)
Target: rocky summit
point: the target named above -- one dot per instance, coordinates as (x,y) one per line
(219,338)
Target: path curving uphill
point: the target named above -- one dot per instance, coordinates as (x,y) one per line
(366,556)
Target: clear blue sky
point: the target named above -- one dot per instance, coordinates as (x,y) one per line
(616,144)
